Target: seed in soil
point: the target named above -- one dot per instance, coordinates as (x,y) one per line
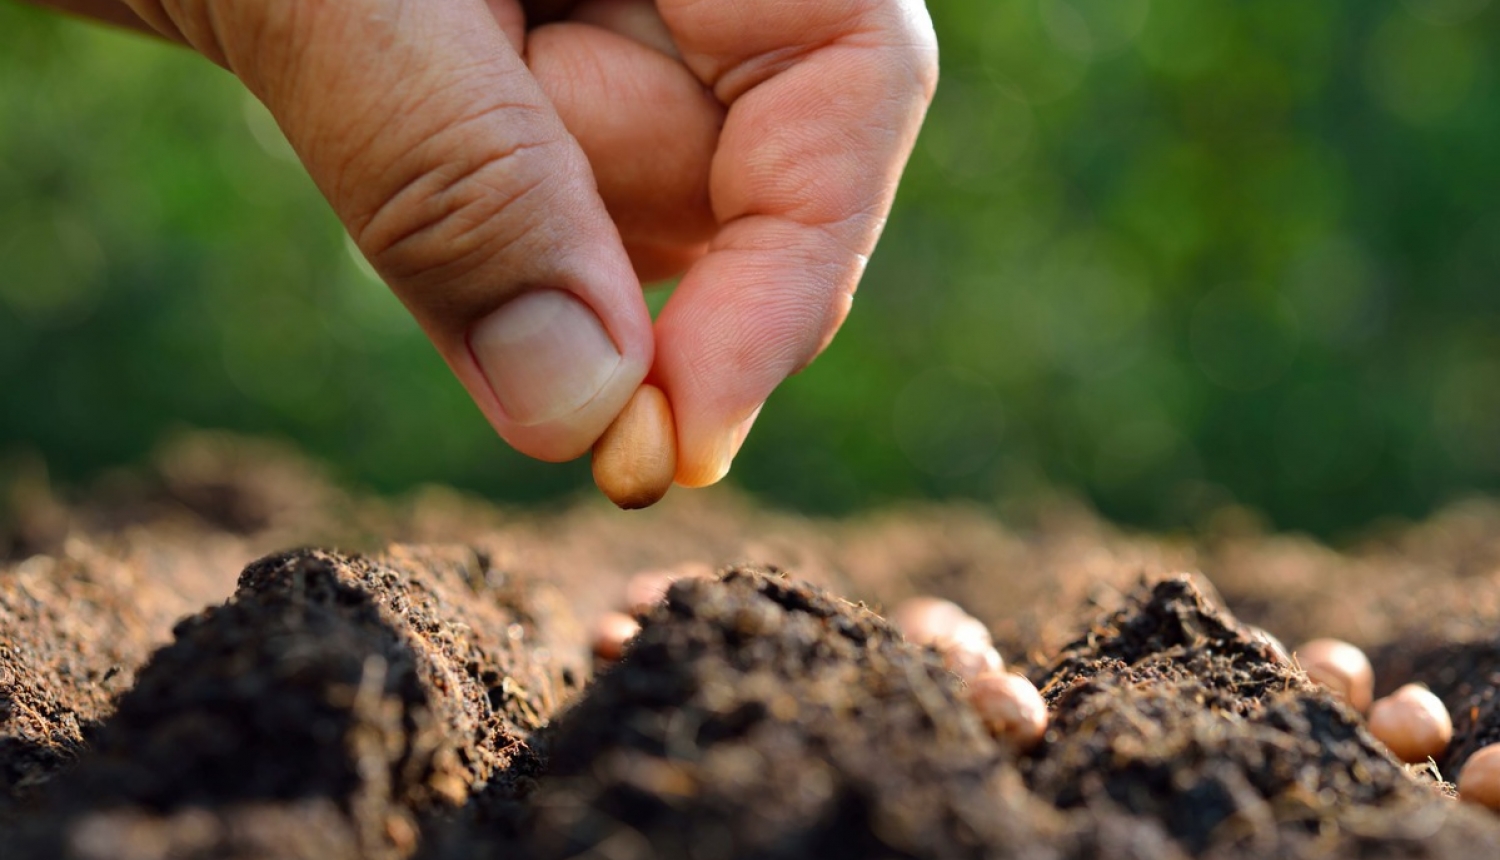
(612,632)
(1342,668)
(649,587)
(925,620)
(1413,723)
(970,660)
(635,459)
(1479,781)
(968,632)
(1011,708)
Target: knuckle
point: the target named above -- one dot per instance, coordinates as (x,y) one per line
(459,213)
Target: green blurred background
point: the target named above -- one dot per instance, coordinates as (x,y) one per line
(1172,254)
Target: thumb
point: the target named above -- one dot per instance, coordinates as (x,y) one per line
(426,132)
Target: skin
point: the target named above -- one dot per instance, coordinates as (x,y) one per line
(481,150)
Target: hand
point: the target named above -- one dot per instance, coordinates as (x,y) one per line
(515,205)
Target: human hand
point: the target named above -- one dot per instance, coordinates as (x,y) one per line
(515,205)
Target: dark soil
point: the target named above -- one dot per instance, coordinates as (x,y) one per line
(435,699)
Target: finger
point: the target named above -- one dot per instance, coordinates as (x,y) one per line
(424,129)
(660,262)
(825,102)
(511,19)
(636,19)
(648,126)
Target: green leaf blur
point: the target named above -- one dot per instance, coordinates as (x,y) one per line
(1169,253)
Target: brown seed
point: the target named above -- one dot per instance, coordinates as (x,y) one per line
(649,587)
(966,632)
(971,661)
(612,632)
(1011,707)
(1340,667)
(925,620)
(1479,781)
(635,459)
(967,649)
(1413,723)
(646,589)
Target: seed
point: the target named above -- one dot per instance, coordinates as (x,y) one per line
(635,459)
(1479,781)
(963,640)
(1340,667)
(649,587)
(1413,723)
(967,649)
(971,662)
(966,632)
(1011,708)
(925,620)
(612,632)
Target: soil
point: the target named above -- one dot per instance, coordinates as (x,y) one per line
(176,683)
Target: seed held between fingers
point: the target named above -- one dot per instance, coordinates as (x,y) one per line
(1011,708)
(1413,723)
(1479,781)
(635,459)
(1342,668)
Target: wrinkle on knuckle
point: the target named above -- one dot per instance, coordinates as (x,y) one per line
(452,218)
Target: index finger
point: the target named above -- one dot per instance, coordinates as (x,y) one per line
(825,99)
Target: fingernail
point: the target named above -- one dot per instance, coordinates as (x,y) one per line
(717,464)
(545,355)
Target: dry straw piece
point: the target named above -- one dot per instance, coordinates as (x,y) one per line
(1413,723)
(1342,668)
(1479,781)
(636,458)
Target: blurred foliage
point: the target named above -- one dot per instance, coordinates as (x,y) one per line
(1167,252)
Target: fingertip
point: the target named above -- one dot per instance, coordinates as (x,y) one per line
(708,462)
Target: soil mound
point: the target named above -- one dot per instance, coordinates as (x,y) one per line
(439,701)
